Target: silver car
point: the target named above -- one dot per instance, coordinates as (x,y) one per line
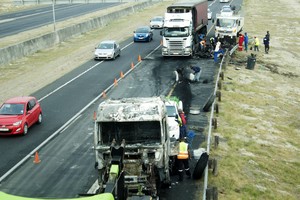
(108,49)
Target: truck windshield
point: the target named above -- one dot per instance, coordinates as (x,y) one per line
(226,23)
(132,132)
(176,32)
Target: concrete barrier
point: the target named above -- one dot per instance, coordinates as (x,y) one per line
(17,51)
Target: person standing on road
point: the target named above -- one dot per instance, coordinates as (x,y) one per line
(218,50)
(246,40)
(256,44)
(183,159)
(266,43)
(183,130)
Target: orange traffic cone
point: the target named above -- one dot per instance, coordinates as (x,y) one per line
(139,58)
(94,115)
(121,75)
(132,65)
(115,82)
(36,158)
(103,95)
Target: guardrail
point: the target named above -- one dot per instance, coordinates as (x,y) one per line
(212,120)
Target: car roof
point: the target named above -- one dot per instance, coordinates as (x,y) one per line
(108,42)
(23,99)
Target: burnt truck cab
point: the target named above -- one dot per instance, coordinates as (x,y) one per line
(140,126)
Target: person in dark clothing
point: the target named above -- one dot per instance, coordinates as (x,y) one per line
(266,43)
(197,71)
(268,35)
(246,40)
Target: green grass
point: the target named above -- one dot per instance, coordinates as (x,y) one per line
(258,125)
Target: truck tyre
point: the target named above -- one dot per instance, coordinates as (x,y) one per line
(208,103)
(200,166)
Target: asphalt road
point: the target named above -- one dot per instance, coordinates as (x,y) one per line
(17,22)
(67,161)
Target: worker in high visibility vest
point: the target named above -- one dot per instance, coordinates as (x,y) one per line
(183,159)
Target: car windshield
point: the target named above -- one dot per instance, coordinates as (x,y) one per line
(132,132)
(157,19)
(106,46)
(12,109)
(227,23)
(142,30)
(176,32)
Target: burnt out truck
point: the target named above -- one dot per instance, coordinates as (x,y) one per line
(134,152)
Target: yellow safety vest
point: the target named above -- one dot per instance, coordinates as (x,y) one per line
(183,151)
(256,41)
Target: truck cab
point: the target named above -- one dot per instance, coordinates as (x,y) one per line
(228,27)
(177,34)
(184,21)
(140,127)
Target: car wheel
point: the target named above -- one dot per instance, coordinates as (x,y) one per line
(25,129)
(114,56)
(40,119)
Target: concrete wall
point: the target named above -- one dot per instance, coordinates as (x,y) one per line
(31,2)
(11,53)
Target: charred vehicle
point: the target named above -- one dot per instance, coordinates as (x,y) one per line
(132,133)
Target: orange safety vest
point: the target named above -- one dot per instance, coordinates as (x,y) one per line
(183,151)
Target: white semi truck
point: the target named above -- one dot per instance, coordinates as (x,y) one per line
(133,146)
(184,22)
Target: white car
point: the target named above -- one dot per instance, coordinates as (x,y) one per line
(172,111)
(108,49)
(209,14)
(224,1)
(226,11)
(157,22)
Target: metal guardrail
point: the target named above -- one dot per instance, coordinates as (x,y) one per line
(227,53)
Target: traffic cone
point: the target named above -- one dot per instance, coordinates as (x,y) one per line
(132,65)
(94,115)
(121,75)
(36,158)
(103,95)
(139,58)
(115,82)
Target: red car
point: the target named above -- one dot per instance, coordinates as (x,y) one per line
(18,114)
